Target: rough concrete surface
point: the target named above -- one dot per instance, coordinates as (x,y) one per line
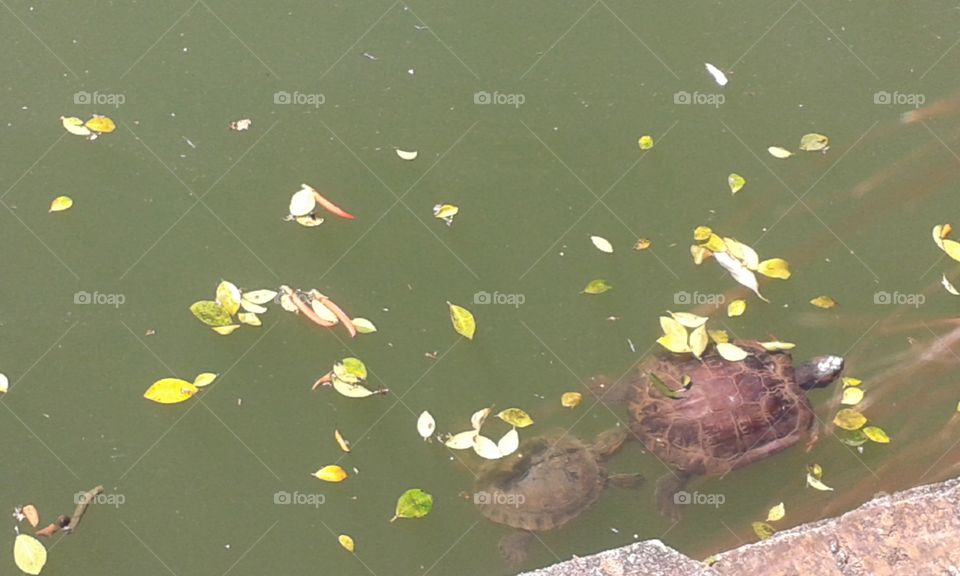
(910,533)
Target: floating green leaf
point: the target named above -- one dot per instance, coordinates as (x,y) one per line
(211,313)
(597,287)
(854,438)
(663,388)
(350,370)
(414,503)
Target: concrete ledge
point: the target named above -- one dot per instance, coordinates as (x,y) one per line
(913,532)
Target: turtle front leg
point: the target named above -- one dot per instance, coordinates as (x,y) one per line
(671,494)
(515,547)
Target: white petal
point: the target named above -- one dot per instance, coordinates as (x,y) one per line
(426,425)
(717,74)
(602,244)
(486,448)
(461,441)
(509,443)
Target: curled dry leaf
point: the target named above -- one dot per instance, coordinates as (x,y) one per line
(341,441)
(515,417)
(31,514)
(571,399)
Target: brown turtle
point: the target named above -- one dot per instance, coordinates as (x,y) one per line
(732,413)
(547,483)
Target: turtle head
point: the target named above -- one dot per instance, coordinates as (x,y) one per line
(818,372)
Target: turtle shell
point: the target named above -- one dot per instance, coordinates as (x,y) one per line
(733,413)
(543,487)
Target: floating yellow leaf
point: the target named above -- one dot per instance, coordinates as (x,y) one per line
(346,542)
(813,142)
(61,203)
(849,419)
(251,307)
(736,308)
(170,391)
(570,399)
(463,321)
(259,296)
(351,389)
(204,379)
(461,441)
(515,417)
(363,325)
(777,346)
(225,330)
(486,448)
(824,302)
(645,142)
(602,244)
(308,221)
(776,513)
(344,445)
(851,396)
(509,443)
(331,473)
(847,381)
(778,152)
(101,124)
(642,244)
(74,125)
(426,425)
(687,319)
(249,319)
(597,287)
(701,233)
(228,296)
(699,340)
(739,272)
(876,434)
(699,254)
(763,530)
(745,254)
(716,244)
(444,211)
(952,248)
(674,336)
(817,484)
(731,352)
(735,182)
(774,268)
(718,336)
(29,554)
(941,231)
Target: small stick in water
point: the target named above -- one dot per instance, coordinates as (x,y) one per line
(85,499)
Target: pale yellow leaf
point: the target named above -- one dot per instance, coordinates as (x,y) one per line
(824,302)
(29,554)
(851,396)
(736,308)
(776,513)
(363,325)
(426,425)
(774,268)
(346,542)
(170,391)
(259,296)
(570,399)
(952,248)
(341,441)
(515,417)
(876,434)
(331,473)
(816,483)
(731,352)
(228,296)
(687,320)
(249,319)
(225,330)
(462,320)
(777,346)
(699,340)
(462,440)
(735,182)
(849,419)
(351,390)
(61,203)
(778,152)
(204,379)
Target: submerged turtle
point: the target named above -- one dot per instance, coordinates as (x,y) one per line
(732,414)
(550,481)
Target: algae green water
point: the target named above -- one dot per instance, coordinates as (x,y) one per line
(526,116)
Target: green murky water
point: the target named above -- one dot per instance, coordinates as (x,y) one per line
(173,201)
